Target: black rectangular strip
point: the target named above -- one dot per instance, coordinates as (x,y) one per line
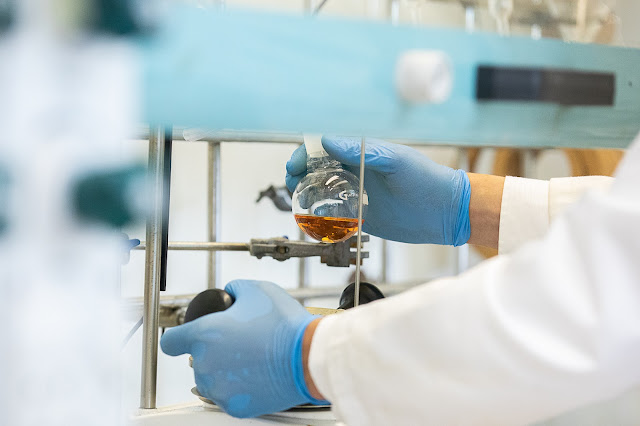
(562,87)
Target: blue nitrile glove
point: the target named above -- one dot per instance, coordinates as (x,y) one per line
(248,359)
(411,198)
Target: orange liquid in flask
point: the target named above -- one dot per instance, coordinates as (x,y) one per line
(327,229)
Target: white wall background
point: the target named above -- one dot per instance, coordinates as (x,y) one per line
(250,168)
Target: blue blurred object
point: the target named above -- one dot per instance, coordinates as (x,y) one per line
(411,198)
(248,358)
(292,73)
(133,243)
(129,244)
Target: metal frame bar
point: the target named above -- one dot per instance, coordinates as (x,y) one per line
(153,271)
(200,246)
(213,209)
(214,137)
(356,293)
(131,307)
(384,261)
(302,264)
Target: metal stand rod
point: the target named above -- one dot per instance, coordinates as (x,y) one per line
(385,261)
(228,136)
(200,246)
(273,137)
(259,137)
(213,209)
(302,266)
(356,300)
(153,267)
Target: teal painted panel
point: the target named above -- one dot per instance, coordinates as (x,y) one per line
(257,71)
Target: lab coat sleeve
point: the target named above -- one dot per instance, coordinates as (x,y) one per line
(520,338)
(530,205)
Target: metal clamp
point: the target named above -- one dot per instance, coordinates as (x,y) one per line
(336,254)
(172,315)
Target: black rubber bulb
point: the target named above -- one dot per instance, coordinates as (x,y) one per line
(208,302)
(368,293)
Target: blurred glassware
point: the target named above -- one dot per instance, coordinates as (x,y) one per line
(588,21)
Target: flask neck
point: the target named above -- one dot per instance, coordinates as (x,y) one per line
(322,162)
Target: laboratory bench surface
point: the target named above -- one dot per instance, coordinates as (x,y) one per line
(200,414)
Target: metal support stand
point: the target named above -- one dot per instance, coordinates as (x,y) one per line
(356,300)
(302,265)
(280,248)
(213,209)
(154,261)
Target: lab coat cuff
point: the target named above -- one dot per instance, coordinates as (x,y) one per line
(524,214)
(565,191)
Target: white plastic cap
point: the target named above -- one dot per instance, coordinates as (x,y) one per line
(424,76)
(313,144)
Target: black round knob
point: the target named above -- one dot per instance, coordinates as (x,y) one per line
(208,302)
(368,293)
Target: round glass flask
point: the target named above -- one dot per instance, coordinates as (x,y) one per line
(325,202)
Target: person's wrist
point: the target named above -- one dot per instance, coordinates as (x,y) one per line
(300,360)
(306,350)
(485,208)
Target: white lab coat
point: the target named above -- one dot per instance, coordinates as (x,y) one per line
(520,338)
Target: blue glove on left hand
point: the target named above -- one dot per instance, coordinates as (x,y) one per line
(248,359)
(411,198)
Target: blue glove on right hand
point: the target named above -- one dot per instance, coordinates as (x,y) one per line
(248,359)
(411,198)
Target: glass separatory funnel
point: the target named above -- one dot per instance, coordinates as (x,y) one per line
(325,202)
